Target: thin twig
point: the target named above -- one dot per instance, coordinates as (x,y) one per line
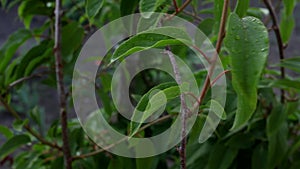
(279,40)
(60,86)
(184,5)
(21,80)
(180,9)
(175,5)
(219,76)
(221,36)
(161,119)
(195,16)
(27,127)
(182,149)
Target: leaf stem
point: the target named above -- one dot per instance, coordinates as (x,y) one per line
(279,41)
(60,85)
(27,127)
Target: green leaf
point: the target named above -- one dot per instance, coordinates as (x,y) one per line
(247,43)
(18,124)
(206,26)
(259,157)
(36,56)
(146,163)
(275,120)
(6,132)
(12,144)
(285,84)
(147,7)
(128,7)
(153,38)
(287,23)
(287,26)
(3,3)
(11,45)
(221,157)
(217,108)
(291,63)
(277,146)
(92,7)
(115,164)
(30,8)
(153,101)
(242,7)
(72,36)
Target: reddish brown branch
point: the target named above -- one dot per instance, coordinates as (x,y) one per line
(279,40)
(60,86)
(221,36)
(27,127)
(175,5)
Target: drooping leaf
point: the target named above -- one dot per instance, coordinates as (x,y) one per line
(72,36)
(153,38)
(147,7)
(221,157)
(259,157)
(287,22)
(291,63)
(242,7)
(146,163)
(206,26)
(153,101)
(217,108)
(92,7)
(247,43)
(128,7)
(30,8)
(6,132)
(32,59)
(11,45)
(12,144)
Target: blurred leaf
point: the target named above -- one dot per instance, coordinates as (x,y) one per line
(11,45)
(128,7)
(147,7)
(150,39)
(277,147)
(291,63)
(18,124)
(221,157)
(146,163)
(116,163)
(92,7)
(277,136)
(275,120)
(153,101)
(3,3)
(217,108)
(257,12)
(242,7)
(206,26)
(6,132)
(259,157)
(241,141)
(36,56)
(247,43)
(72,36)
(12,144)
(285,84)
(287,22)
(30,8)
